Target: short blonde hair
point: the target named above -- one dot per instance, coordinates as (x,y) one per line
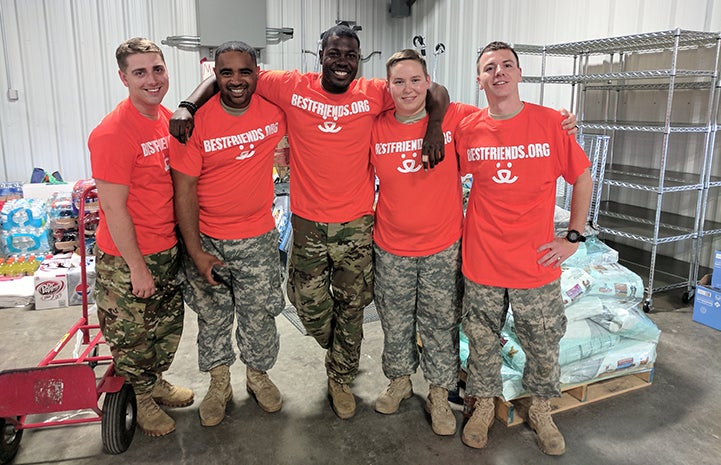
(403,55)
(134,46)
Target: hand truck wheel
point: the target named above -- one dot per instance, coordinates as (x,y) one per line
(9,440)
(119,419)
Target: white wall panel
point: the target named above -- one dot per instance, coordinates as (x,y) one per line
(60,53)
(61,60)
(13,114)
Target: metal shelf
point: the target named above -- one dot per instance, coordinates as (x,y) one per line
(646,43)
(669,274)
(643,126)
(638,223)
(628,75)
(652,226)
(647,179)
(691,85)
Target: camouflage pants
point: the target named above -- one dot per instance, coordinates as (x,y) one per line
(143,334)
(330,282)
(420,294)
(540,323)
(253,300)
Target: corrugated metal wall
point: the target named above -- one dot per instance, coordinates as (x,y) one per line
(464,26)
(59,54)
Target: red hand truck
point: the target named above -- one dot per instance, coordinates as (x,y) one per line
(69,384)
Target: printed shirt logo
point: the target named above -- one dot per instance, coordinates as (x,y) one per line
(403,148)
(330,113)
(154,146)
(241,141)
(520,153)
(329,127)
(410,165)
(504,175)
(158,147)
(246,153)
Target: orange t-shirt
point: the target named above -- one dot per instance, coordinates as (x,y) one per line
(419,212)
(515,164)
(130,149)
(329,134)
(232,156)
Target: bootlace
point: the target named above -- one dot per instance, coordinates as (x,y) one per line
(260,379)
(148,405)
(397,385)
(541,411)
(439,399)
(482,409)
(341,387)
(163,385)
(217,386)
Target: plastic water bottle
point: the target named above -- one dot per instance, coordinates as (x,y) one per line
(31,265)
(19,266)
(9,266)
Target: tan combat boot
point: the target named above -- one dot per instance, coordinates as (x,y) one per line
(443,422)
(212,408)
(549,439)
(169,395)
(398,390)
(151,419)
(342,399)
(262,388)
(475,433)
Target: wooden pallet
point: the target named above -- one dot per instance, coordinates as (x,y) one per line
(513,412)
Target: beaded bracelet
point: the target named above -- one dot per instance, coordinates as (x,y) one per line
(190,106)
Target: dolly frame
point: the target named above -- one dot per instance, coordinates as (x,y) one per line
(69,384)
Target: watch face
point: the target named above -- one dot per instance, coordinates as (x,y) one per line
(573,236)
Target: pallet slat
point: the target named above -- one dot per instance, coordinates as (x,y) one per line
(513,412)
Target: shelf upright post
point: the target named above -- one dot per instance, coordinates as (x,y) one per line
(662,168)
(709,147)
(581,90)
(574,84)
(543,74)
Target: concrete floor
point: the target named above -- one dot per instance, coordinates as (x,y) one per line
(677,420)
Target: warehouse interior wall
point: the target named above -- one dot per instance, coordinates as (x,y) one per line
(58,74)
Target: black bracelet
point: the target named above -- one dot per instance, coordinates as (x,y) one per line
(190,106)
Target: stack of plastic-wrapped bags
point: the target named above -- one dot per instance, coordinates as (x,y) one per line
(607,334)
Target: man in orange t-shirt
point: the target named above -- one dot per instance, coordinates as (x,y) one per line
(330,115)
(516,151)
(223,179)
(140,308)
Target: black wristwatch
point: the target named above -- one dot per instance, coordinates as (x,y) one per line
(574,236)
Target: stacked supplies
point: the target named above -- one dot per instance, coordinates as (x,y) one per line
(24,227)
(607,332)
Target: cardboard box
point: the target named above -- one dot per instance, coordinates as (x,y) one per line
(707,306)
(716,276)
(43,191)
(57,284)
